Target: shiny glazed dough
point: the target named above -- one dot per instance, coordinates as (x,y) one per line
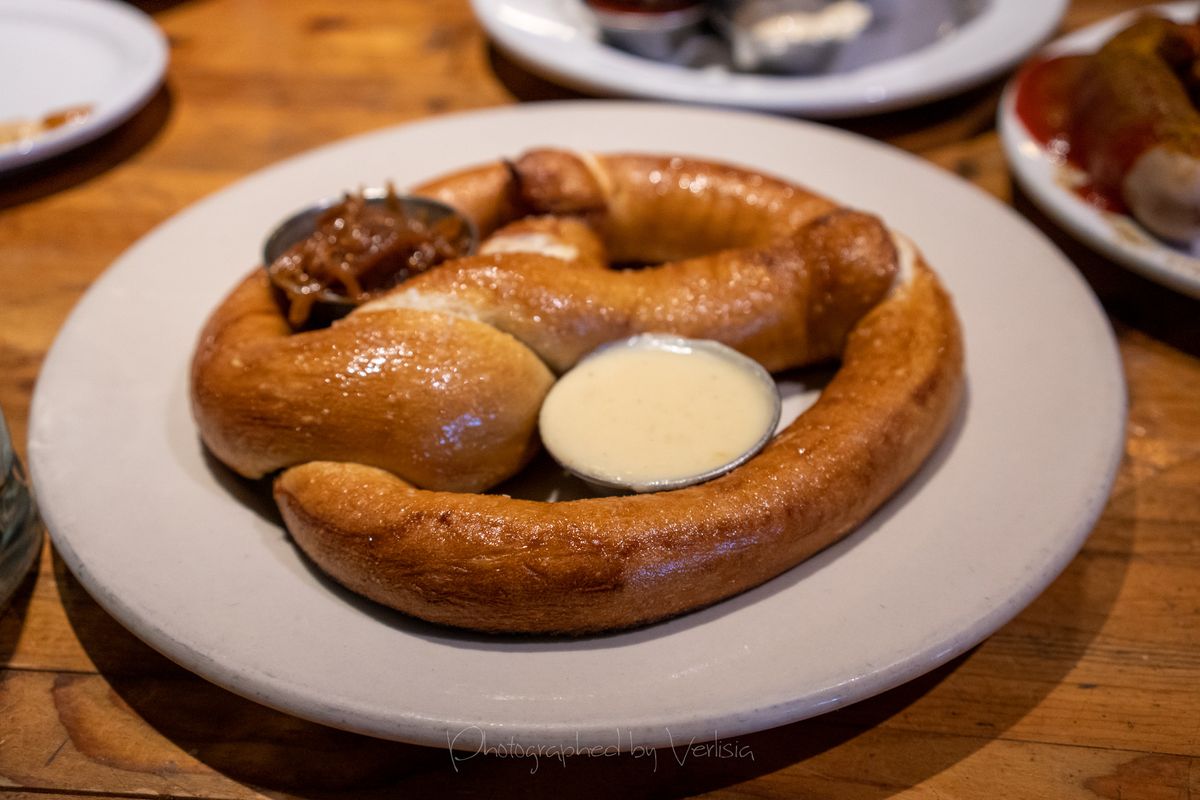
(495,563)
(429,391)
(418,393)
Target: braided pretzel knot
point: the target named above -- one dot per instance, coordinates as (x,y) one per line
(437,385)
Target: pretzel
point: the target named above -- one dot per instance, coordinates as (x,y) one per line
(793,280)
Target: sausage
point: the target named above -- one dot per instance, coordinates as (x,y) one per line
(1135,130)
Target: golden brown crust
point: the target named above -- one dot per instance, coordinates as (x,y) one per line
(759,263)
(487,194)
(498,564)
(664,209)
(442,401)
(645,207)
(784,305)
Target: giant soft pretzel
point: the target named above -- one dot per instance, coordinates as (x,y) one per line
(766,267)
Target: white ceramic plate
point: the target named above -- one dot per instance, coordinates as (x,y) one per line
(558,38)
(60,53)
(169,546)
(1116,236)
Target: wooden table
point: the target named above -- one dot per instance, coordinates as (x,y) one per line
(1092,692)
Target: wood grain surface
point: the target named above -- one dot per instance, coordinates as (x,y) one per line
(1092,692)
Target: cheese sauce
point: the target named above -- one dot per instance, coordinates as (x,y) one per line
(646,413)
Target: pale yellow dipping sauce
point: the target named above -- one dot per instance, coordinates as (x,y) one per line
(636,415)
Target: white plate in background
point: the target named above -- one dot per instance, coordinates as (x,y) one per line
(172,548)
(559,39)
(1047,181)
(56,54)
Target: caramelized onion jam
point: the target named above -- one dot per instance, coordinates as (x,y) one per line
(363,246)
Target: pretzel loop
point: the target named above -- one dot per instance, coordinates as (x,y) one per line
(389,421)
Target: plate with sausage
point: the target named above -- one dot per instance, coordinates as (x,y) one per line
(1102,131)
(951,468)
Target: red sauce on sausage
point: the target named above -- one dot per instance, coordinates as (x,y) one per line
(1043,104)
(1043,101)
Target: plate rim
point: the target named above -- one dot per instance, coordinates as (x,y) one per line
(136,28)
(296,700)
(1085,223)
(1014,30)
